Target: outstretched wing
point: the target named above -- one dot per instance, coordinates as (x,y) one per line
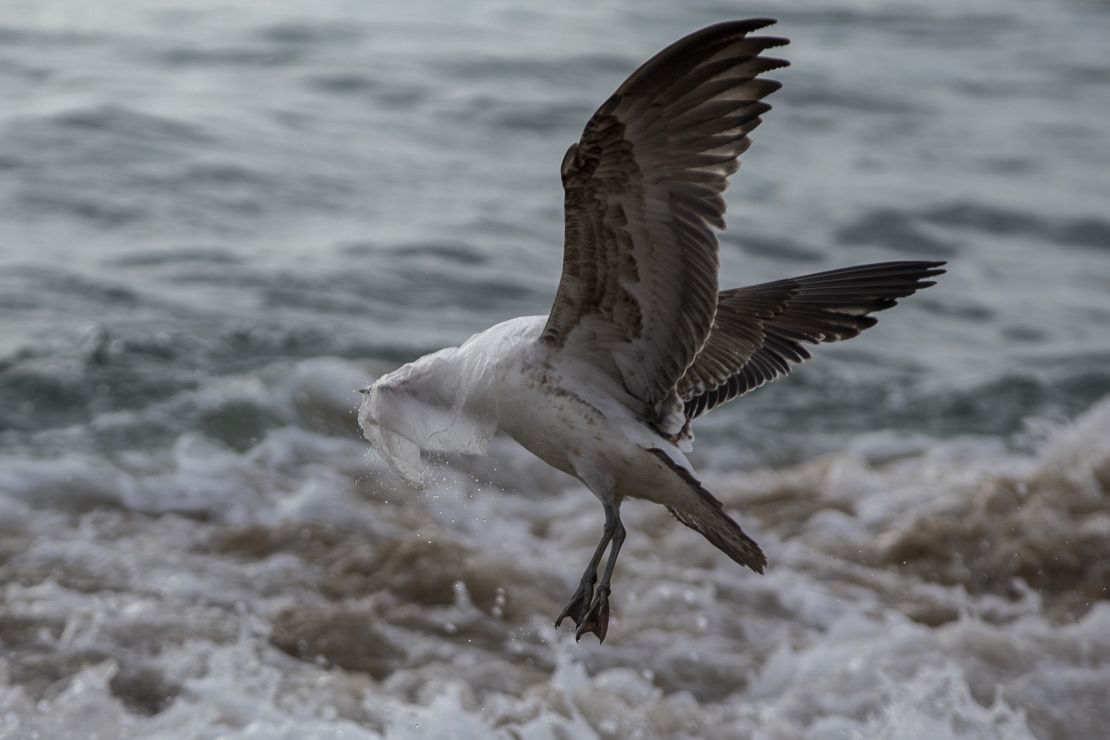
(643,189)
(759,330)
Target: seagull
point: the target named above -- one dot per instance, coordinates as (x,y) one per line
(640,341)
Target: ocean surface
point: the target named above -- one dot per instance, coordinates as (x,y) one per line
(219,219)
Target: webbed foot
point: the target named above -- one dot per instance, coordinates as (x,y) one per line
(589,606)
(596,619)
(579,603)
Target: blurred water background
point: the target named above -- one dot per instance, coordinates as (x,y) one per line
(218,219)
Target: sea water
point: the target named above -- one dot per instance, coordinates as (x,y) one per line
(220,219)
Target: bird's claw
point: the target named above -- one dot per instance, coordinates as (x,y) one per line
(578,606)
(596,619)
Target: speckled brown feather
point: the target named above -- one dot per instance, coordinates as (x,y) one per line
(642,199)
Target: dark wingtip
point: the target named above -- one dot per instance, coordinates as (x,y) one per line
(932,269)
(754,24)
(773,42)
(774,63)
(743,27)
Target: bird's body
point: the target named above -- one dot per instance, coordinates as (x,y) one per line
(566,412)
(639,341)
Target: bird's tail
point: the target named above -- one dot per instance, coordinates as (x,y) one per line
(707,516)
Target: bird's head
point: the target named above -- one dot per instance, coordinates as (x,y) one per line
(430,405)
(381,417)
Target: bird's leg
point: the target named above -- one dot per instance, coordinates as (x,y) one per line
(583,595)
(596,619)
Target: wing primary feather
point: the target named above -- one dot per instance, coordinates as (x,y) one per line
(773,320)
